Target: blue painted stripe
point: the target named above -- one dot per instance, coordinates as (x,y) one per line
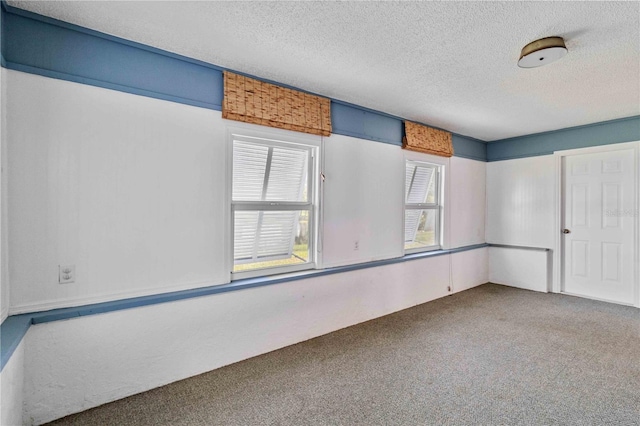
(112,86)
(2,13)
(14,328)
(356,122)
(55,51)
(603,133)
(45,46)
(520,247)
(470,148)
(48,20)
(12,331)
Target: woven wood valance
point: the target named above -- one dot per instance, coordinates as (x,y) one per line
(426,139)
(253,101)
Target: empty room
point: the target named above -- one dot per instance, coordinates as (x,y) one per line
(319,213)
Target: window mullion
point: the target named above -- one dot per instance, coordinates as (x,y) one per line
(267,172)
(413,177)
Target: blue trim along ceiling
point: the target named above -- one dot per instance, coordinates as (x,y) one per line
(54,51)
(350,120)
(604,133)
(40,45)
(471,148)
(14,328)
(2,62)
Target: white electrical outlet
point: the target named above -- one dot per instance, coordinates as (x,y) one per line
(356,245)
(66,274)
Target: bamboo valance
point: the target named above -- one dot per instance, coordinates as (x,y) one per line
(427,139)
(257,102)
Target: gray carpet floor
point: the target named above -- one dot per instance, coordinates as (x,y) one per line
(492,355)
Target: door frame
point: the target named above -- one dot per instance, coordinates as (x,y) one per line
(557,283)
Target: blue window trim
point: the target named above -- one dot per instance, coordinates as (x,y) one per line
(15,327)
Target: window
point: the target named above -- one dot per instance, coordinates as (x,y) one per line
(423,207)
(273,206)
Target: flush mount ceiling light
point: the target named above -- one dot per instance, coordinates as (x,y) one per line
(542,52)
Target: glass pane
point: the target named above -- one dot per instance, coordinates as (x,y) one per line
(266,239)
(288,175)
(420,228)
(420,184)
(269,173)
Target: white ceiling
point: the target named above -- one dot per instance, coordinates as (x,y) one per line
(448,64)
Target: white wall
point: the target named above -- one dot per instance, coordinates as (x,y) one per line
(125,187)
(522,268)
(521,202)
(12,389)
(132,191)
(521,212)
(469,269)
(80,363)
(363,201)
(467,197)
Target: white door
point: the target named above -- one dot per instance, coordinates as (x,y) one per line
(599,225)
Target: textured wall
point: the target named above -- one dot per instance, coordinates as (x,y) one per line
(129,189)
(12,389)
(521,202)
(363,201)
(466,202)
(81,363)
(522,268)
(469,269)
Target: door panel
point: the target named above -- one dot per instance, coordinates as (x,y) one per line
(611,262)
(579,258)
(580,208)
(599,210)
(611,201)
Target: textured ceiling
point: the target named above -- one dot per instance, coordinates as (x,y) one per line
(448,64)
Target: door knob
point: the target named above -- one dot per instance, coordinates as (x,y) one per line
(566,231)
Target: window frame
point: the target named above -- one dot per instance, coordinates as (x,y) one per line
(271,138)
(437,205)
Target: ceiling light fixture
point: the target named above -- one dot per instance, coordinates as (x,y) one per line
(542,52)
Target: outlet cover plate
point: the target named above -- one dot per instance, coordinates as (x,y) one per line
(66,274)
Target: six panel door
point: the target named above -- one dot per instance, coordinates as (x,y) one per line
(599,212)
